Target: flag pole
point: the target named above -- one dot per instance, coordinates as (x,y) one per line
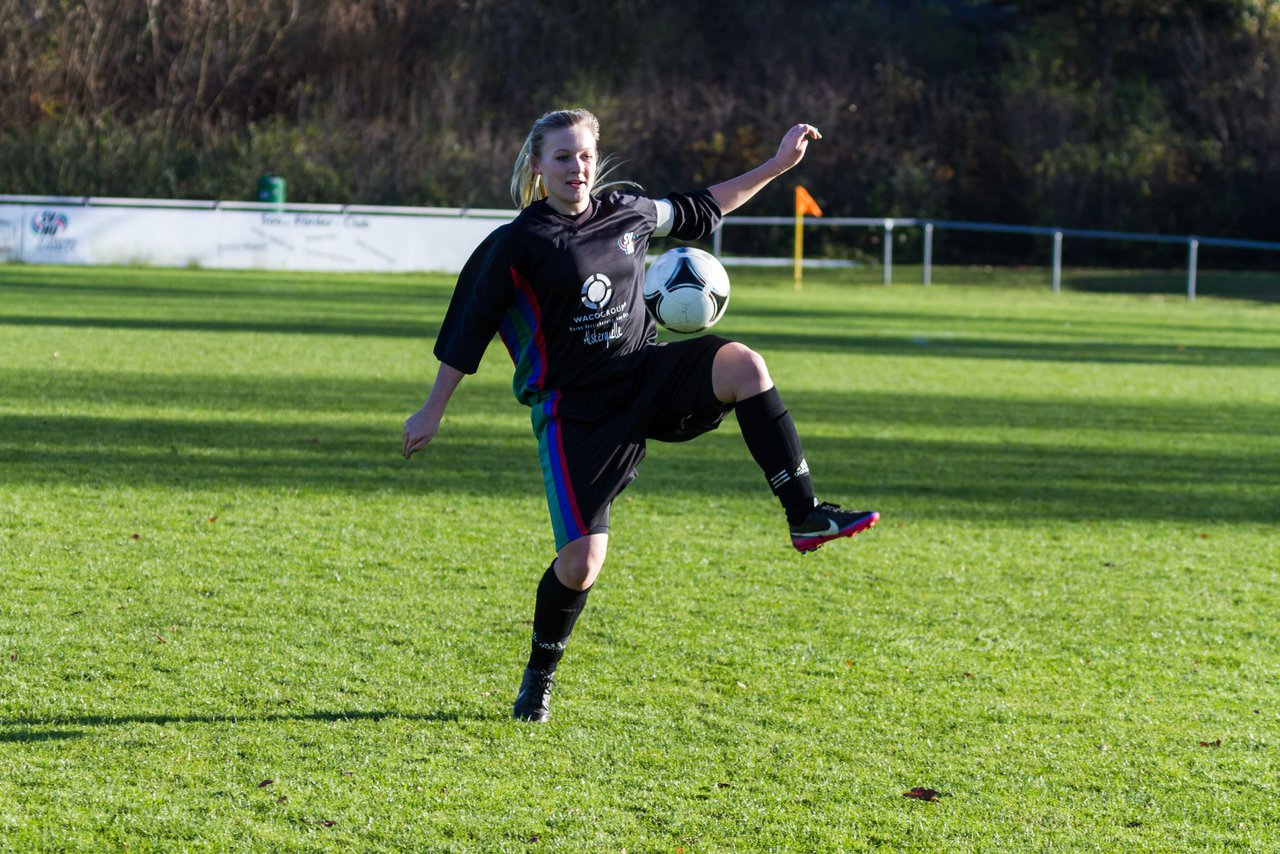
(805,204)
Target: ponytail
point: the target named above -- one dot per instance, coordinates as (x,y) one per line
(526,187)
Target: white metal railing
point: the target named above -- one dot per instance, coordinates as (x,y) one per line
(888,224)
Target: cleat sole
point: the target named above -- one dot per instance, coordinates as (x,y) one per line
(806,545)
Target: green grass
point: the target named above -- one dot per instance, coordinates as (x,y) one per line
(218,571)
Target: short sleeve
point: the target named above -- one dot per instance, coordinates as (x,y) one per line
(480,299)
(693,216)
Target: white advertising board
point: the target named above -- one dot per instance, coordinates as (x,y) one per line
(38,231)
(346,241)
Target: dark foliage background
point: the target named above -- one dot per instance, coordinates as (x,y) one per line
(1142,115)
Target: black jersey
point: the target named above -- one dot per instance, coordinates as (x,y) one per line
(566,293)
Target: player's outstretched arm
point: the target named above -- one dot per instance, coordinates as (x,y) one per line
(421,427)
(735,192)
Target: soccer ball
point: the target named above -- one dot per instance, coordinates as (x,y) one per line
(686,289)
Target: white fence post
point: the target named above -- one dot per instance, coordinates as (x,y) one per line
(1057,261)
(1193,252)
(716,241)
(928,253)
(888,252)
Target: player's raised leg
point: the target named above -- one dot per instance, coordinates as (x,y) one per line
(740,376)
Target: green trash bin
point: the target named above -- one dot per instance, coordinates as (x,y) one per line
(271,189)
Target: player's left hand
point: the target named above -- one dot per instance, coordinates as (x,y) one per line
(794,145)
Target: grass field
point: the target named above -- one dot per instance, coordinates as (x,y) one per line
(236,619)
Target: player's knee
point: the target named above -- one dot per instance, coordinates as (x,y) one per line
(577,573)
(578,563)
(744,372)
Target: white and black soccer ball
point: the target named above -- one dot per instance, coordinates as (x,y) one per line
(686,289)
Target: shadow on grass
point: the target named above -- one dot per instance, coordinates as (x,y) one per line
(1193,462)
(118,286)
(425,325)
(144,288)
(1091,328)
(168,720)
(376,327)
(1170,338)
(151,301)
(1024,349)
(27,729)
(24,736)
(1257,287)
(174,300)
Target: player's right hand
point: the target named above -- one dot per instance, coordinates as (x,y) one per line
(419,429)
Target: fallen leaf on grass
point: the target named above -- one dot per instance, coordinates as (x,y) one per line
(281,799)
(724,785)
(135,537)
(265,783)
(313,440)
(211,519)
(327,822)
(1217,742)
(922,794)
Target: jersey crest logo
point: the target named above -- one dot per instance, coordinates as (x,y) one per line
(597,290)
(627,243)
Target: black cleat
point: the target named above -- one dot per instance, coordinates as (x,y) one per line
(828,522)
(533,703)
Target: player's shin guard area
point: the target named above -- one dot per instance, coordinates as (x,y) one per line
(828,522)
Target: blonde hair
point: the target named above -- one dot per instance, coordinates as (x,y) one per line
(526,187)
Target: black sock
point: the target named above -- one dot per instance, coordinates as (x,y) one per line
(772,440)
(556,610)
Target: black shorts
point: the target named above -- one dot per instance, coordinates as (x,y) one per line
(590,441)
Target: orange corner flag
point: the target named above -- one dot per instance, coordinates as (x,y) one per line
(805,203)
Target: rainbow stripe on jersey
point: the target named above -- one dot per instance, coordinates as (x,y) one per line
(566,517)
(521,333)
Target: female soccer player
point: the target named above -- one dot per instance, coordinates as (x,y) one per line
(597,384)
